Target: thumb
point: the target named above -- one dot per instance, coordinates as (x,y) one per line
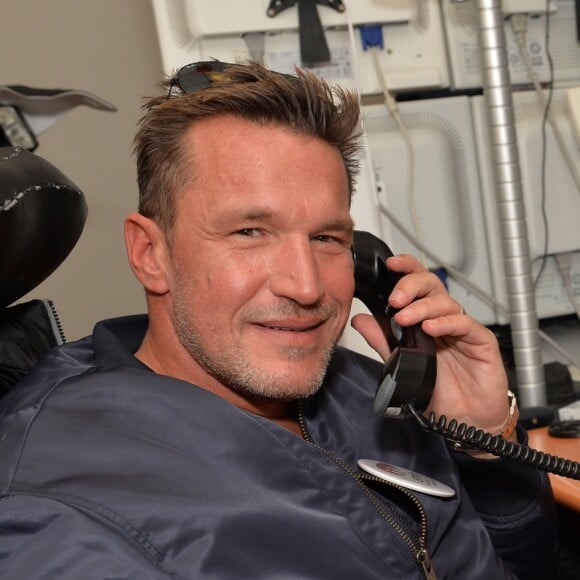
(367,326)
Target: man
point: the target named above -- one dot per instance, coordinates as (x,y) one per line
(219,436)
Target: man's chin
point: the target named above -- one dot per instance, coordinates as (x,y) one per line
(285,382)
(278,390)
(272,375)
(275,397)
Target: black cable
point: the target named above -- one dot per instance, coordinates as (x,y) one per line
(577,14)
(545,144)
(470,437)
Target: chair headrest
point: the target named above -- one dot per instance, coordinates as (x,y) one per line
(42,215)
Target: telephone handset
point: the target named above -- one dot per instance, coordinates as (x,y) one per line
(408,378)
(409,374)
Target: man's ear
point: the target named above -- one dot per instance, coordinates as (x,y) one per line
(147,252)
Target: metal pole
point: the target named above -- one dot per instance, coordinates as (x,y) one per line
(516,255)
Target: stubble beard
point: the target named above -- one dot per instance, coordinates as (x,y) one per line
(233,368)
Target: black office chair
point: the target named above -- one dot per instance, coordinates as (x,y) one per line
(42,215)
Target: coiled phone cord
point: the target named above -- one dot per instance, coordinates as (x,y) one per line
(472,437)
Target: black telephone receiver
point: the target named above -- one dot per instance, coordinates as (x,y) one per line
(409,374)
(408,378)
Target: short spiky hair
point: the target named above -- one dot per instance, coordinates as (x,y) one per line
(303,103)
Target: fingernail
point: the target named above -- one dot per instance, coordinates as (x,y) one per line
(397,296)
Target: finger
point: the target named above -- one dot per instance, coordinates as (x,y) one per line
(450,325)
(436,307)
(413,309)
(405,264)
(466,329)
(416,285)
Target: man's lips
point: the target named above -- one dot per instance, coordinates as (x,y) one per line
(291,326)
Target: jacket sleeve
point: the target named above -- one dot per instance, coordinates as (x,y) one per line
(43,539)
(516,504)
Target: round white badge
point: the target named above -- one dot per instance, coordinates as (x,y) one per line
(406,478)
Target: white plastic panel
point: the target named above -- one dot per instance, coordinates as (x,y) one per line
(446,188)
(447,194)
(224,17)
(461,31)
(448,200)
(562,198)
(413,57)
(529,6)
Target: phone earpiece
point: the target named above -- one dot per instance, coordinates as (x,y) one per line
(410,372)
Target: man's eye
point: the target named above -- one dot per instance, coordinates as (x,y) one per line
(249,232)
(325,238)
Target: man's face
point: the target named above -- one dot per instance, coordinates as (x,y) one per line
(262,269)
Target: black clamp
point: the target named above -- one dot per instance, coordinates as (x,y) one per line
(313,45)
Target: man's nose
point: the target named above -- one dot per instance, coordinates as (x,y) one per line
(296,273)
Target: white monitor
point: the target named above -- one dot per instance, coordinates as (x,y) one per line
(446,192)
(413,57)
(461,27)
(561,205)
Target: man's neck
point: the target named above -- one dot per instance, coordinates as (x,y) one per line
(284,413)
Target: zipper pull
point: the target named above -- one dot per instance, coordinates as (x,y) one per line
(424,561)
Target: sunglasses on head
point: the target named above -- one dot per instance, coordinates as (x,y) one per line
(198,75)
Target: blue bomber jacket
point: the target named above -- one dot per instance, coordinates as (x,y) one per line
(108,470)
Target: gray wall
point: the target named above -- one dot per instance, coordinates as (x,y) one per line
(110,48)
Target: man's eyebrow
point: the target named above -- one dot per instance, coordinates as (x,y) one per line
(247,214)
(339,225)
(257,214)
(346,225)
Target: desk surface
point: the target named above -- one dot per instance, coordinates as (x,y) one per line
(566,490)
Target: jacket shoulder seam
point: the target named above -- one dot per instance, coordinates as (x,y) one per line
(136,537)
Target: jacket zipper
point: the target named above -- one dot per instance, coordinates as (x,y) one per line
(418,548)
(54,319)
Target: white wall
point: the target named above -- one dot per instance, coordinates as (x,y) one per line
(110,48)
